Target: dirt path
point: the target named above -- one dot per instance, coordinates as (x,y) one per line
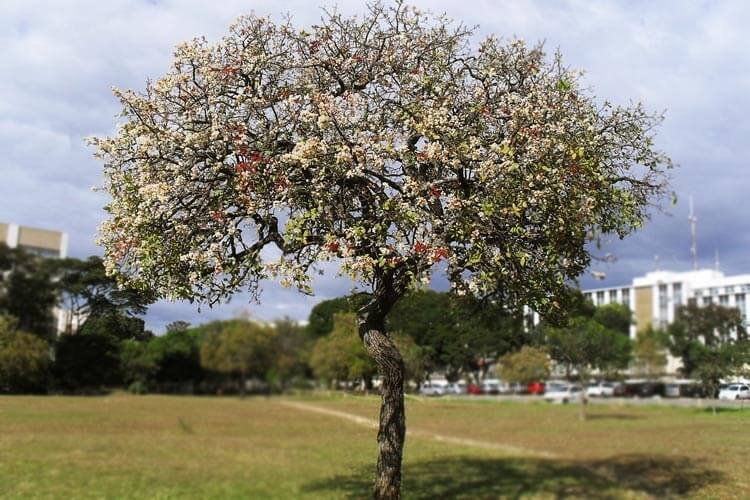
(441,438)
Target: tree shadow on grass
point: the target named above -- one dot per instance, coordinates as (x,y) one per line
(613,416)
(724,409)
(467,477)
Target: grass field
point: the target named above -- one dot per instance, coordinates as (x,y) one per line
(174,447)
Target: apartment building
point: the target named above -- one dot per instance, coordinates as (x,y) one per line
(42,242)
(653,298)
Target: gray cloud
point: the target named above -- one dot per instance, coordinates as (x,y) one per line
(59,60)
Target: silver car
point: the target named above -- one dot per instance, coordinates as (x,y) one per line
(435,388)
(563,394)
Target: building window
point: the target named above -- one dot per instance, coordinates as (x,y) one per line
(587,296)
(677,293)
(663,303)
(47,253)
(739,299)
(625,293)
(724,300)
(729,289)
(706,301)
(713,291)
(612,296)
(599,298)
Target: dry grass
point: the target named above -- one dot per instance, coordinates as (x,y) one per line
(649,450)
(168,447)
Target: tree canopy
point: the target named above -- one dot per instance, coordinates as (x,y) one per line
(388,142)
(237,347)
(24,359)
(527,365)
(340,356)
(27,291)
(84,290)
(453,333)
(650,352)
(711,341)
(585,344)
(617,317)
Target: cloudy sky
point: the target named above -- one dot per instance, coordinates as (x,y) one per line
(61,57)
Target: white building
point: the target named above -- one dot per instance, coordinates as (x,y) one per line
(653,298)
(42,242)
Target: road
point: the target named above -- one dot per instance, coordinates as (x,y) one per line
(658,401)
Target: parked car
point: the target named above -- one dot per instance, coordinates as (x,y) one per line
(683,388)
(644,389)
(563,394)
(473,389)
(672,390)
(552,385)
(457,388)
(435,388)
(535,388)
(735,391)
(516,388)
(619,390)
(601,390)
(490,386)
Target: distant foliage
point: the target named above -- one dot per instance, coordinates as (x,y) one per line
(87,363)
(178,355)
(28,291)
(585,344)
(24,359)
(238,347)
(529,364)
(138,364)
(84,290)
(116,325)
(650,353)
(418,360)
(290,349)
(340,356)
(712,343)
(320,320)
(616,317)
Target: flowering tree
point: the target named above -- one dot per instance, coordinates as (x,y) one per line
(388,143)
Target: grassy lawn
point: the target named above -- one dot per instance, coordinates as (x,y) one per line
(173,447)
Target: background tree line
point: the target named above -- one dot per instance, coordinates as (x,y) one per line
(104,342)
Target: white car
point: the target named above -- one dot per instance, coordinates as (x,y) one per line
(457,388)
(563,394)
(601,390)
(735,391)
(491,386)
(435,388)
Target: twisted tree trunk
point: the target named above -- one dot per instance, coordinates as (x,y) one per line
(392,417)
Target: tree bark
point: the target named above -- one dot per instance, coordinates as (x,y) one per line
(584,394)
(392,428)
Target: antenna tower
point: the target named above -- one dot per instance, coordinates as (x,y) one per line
(693,220)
